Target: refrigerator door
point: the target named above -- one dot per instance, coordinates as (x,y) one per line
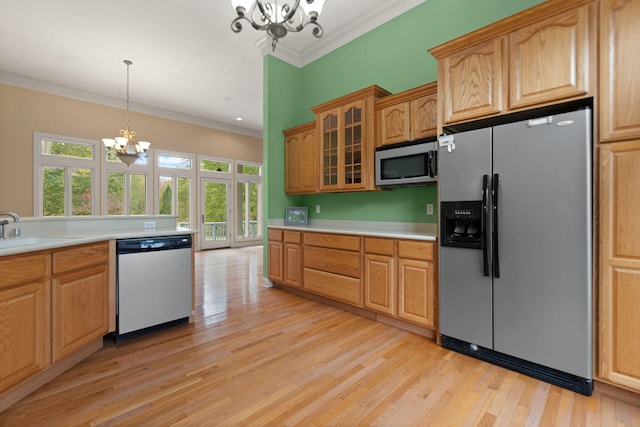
(542,299)
(465,295)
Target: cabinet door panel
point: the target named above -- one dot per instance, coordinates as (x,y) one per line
(80,310)
(394,123)
(424,117)
(308,149)
(473,82)
(292,264)
(619,65)
(380,283)
(550,60)
(292,164)
(276,260)
(24,332)
(329,151)
(620,264)
(416,296)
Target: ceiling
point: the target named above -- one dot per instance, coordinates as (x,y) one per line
(187,63)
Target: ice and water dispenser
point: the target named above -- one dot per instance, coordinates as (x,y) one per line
(461,224)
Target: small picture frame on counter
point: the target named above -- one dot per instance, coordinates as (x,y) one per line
(296,216)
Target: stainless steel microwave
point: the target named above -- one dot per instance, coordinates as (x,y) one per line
(407,164)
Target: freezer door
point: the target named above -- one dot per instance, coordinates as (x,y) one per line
(465,296)
(460,171)
(542,299)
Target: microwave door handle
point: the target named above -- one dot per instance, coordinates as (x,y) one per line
(483,225)
(428,164)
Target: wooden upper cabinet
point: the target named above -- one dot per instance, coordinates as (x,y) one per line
(301,159)
(543,55)
(424,117)
(394,123)
(552,59)
(472,82)
(407,116)
(345,133)
(619,67)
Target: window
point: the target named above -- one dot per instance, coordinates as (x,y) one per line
(248,201)
(175,177)
(126,190)
(65,176)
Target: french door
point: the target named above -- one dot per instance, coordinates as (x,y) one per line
(216,221)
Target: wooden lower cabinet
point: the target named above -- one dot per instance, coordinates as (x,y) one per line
(25,319)
(292,259)
(25,332)
(393,277)
(342,288)
(417,296)
(275,256)
(80,310)
(332,266)
(380,283)
(619,291)
(416,292)
(380,287)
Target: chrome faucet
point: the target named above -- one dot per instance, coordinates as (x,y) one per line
(4,222)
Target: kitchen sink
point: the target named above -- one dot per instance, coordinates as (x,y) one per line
(25,241)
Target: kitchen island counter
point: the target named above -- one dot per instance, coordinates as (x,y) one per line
(38,234)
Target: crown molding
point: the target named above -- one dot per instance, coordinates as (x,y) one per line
(329,43)
(48,87)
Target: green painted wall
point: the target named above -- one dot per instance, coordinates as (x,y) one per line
(394,56)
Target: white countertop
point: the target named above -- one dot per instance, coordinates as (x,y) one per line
(366,228)
(41,234)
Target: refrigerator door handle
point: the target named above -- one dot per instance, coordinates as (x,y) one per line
(483,225)
(494,195)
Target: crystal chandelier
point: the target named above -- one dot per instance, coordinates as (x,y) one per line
(278,18)
(125,146)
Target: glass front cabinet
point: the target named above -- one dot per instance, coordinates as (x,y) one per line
(347,141)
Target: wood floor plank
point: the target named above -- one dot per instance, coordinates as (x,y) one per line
(261,356)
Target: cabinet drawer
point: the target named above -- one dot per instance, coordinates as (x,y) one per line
(415,249)
(275,235)
(336,241)
(24,268)
(373,245)
(292,236)
(336,261)
(76,257)
(342,288)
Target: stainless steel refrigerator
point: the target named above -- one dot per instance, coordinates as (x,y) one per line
(515,272)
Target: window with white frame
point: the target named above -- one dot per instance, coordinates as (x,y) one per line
(248,201)
(66,178)
(175,175)
(126,190)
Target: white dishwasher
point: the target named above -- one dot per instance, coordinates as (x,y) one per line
(153,284)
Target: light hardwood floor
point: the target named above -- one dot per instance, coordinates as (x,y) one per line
(263,357)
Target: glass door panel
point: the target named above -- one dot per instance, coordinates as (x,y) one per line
(215,203)
(353,146)
(330,150)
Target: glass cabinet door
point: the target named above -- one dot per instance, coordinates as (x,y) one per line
(330,150)
(353,145)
